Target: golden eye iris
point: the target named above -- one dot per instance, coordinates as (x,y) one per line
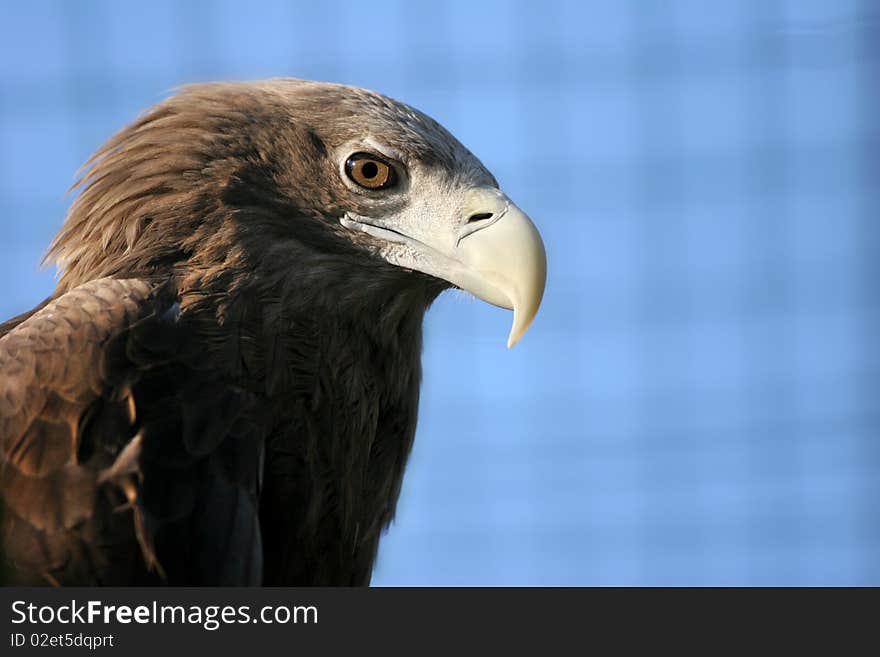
(369,171)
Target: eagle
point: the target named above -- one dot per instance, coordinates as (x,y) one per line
(223,387)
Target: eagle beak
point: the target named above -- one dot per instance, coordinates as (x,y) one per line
(493,251)
(503,257)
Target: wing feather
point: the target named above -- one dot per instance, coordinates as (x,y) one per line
(118,463)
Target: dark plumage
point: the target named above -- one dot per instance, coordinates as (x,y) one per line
(223,388)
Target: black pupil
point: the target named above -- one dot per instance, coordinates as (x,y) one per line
(369,170)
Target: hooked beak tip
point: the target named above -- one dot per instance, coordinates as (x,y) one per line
(522,319)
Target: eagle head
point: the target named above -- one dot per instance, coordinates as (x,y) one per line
(228,176)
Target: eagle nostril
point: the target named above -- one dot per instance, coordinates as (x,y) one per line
(479,217)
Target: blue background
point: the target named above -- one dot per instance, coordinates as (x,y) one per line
(697,402)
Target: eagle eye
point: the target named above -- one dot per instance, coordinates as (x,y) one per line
(370,171)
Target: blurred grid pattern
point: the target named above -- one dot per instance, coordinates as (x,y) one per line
(697,401)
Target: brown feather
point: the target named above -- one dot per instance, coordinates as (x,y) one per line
(224,387)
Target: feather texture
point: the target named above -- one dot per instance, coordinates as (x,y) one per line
(223,388)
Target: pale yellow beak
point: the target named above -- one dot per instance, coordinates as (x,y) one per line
(504,261)
(489,248)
